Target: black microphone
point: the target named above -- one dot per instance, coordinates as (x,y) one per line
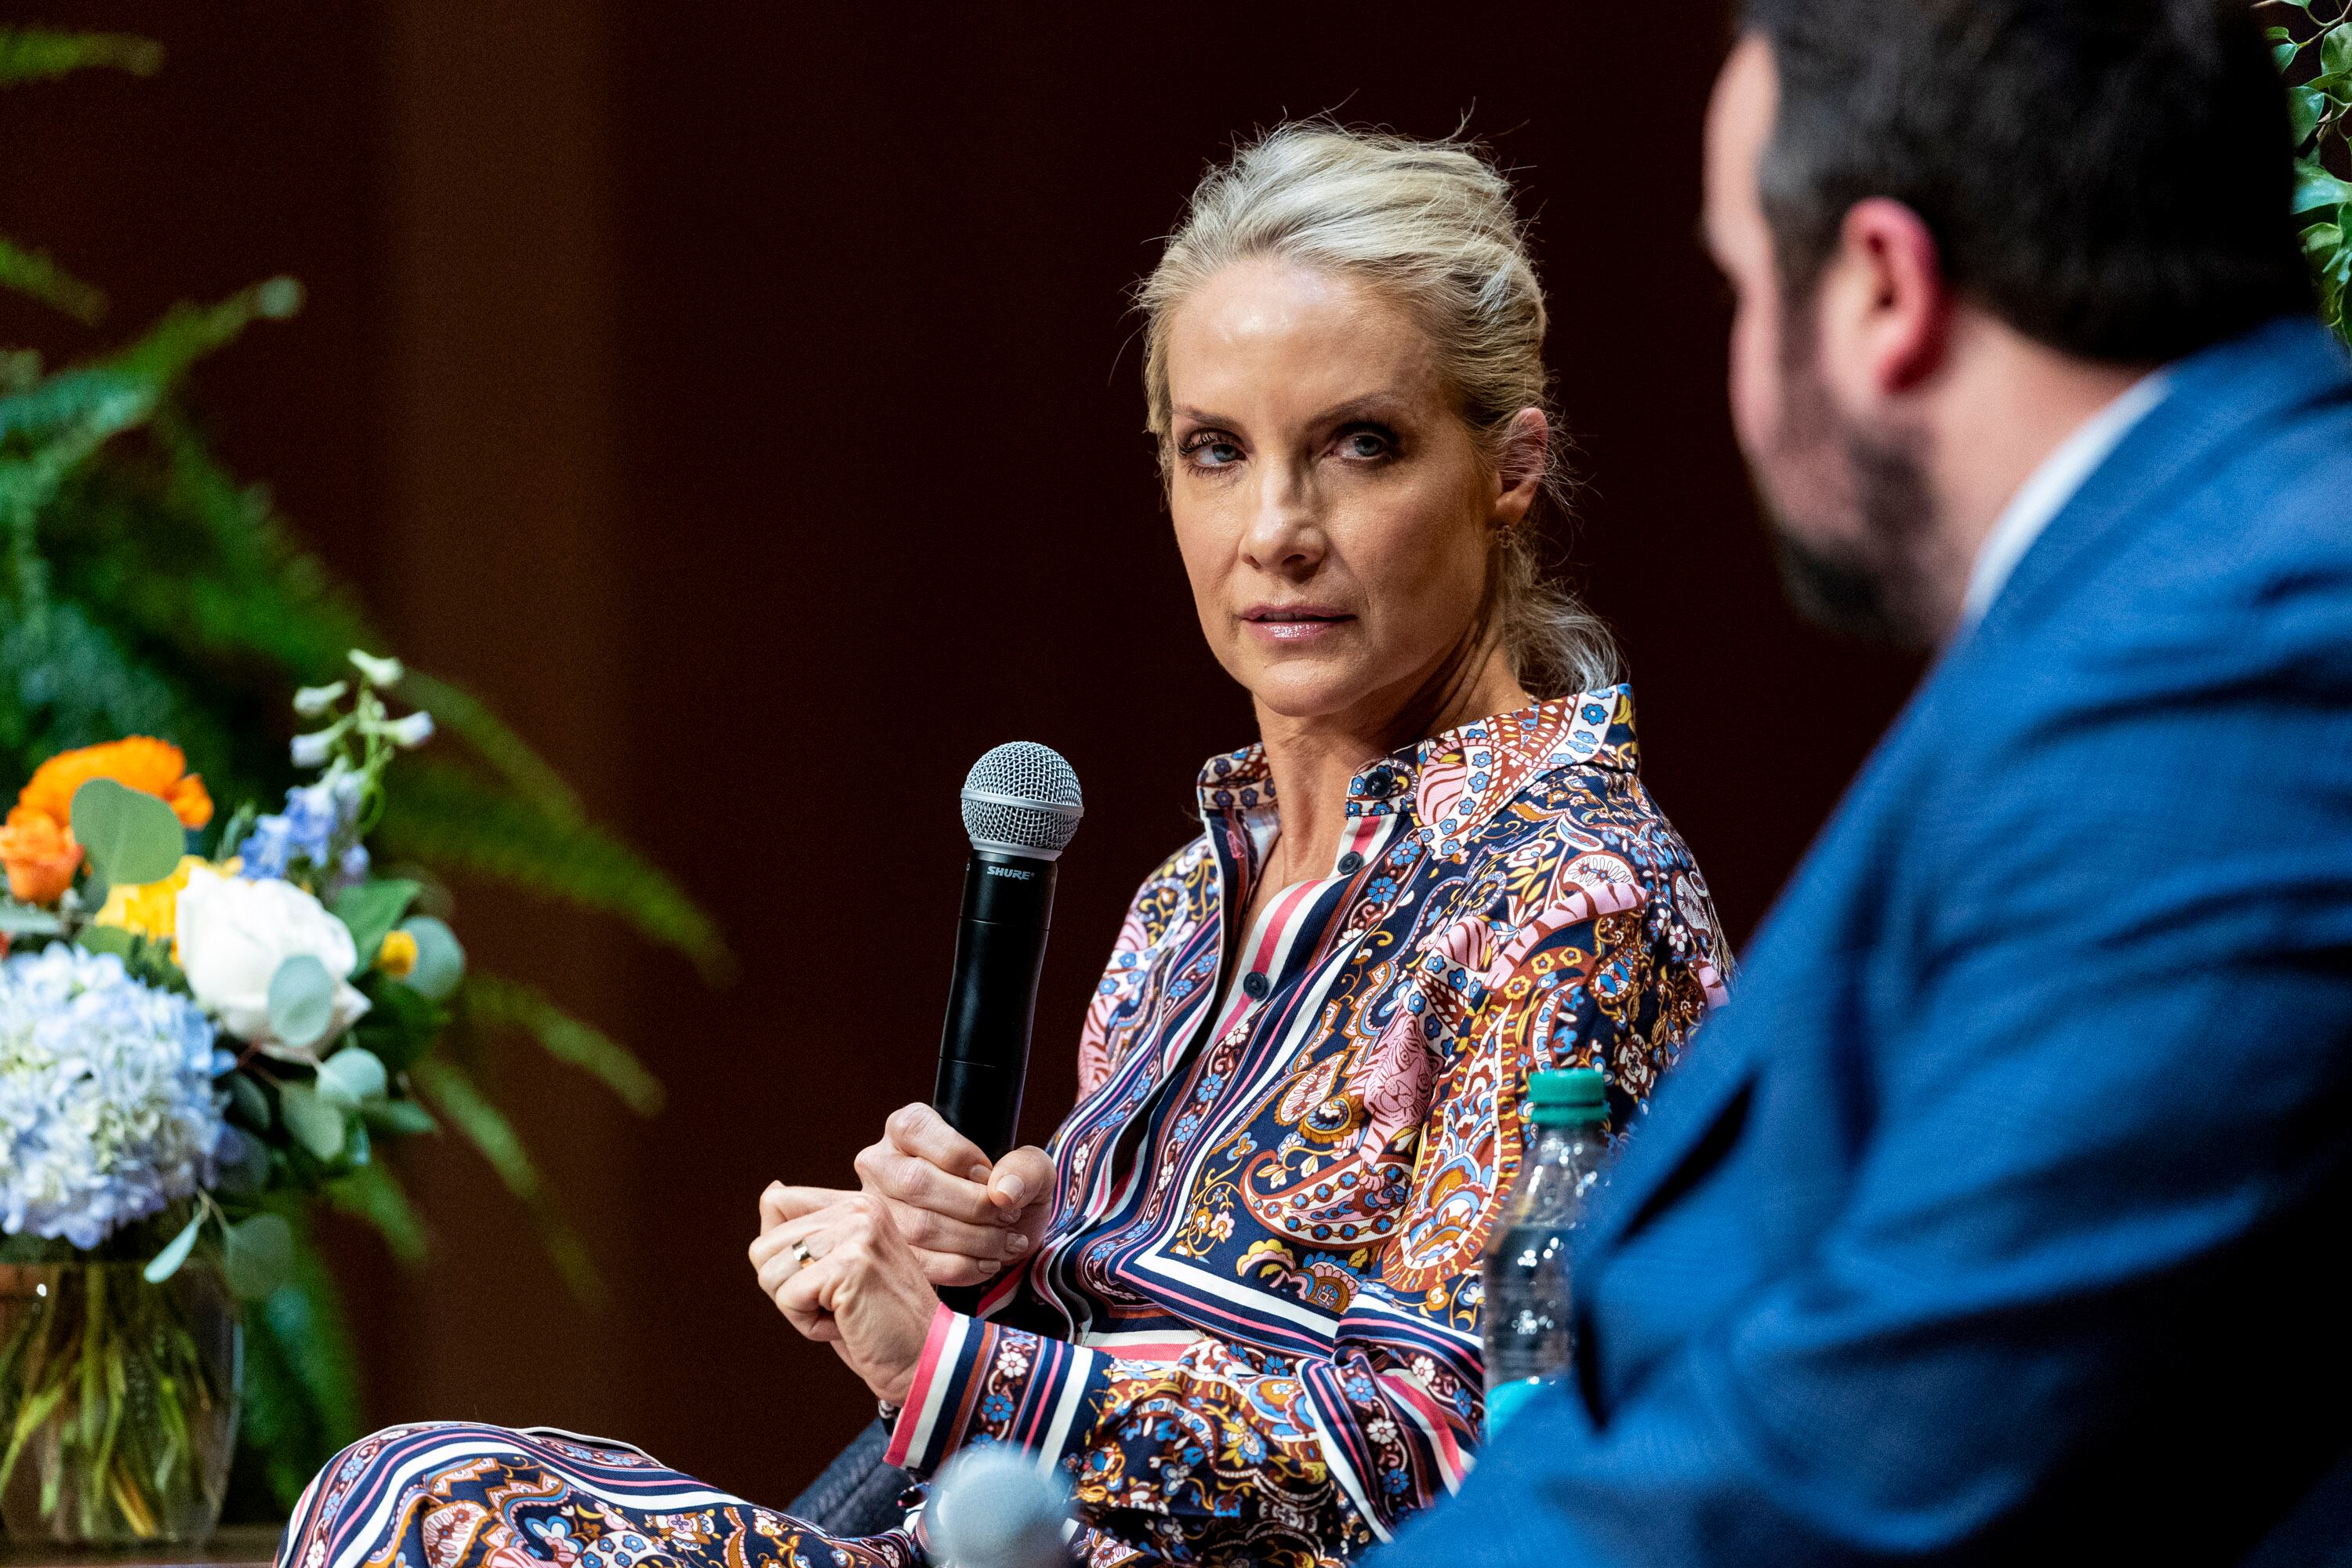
(1021,808)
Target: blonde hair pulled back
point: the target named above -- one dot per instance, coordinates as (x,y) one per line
(1432,226)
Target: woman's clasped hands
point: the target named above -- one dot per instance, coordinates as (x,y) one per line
(859,1270)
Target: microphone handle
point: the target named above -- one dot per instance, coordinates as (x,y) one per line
(1008,908)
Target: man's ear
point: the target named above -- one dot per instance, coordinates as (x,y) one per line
(1884,307)
(1526,449)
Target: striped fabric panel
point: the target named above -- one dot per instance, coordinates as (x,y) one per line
(353,1505)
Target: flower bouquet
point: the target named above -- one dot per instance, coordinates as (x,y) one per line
(192,1046)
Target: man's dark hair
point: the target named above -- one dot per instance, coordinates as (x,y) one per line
(2110,177)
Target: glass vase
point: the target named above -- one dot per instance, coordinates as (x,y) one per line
(118,1402)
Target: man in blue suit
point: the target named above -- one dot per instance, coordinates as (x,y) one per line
(2001,1216)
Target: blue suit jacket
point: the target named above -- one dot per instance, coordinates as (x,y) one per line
(2005,1205)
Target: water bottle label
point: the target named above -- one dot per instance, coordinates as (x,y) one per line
(1504,1401)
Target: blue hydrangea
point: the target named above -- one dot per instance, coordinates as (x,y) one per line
(108,1110)
(306,829)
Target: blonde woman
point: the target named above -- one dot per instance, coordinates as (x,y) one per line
(1236,1299)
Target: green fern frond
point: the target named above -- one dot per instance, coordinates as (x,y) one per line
(68,415)
(164,540)
(301,1396)
(41,54)
(461,713)
(444,817)
(373,1193)
(32,274)
(448,1089)
(66,683)
(493,1002)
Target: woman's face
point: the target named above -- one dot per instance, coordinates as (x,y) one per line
(1334,514)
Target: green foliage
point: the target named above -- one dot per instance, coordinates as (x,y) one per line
(452,816)
(144,589)
(301,1391)
(32,274)
(450,1090)
(369,910)
(493,1002)
(2314,51)
(34,54)
(129,835)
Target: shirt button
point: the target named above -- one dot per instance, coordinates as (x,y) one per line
(1255,984)
(1350,862)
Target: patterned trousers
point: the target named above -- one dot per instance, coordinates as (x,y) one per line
(458,1494)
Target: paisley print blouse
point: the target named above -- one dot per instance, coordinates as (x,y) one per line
(1250,1330)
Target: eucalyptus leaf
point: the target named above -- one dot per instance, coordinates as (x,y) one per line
(315,1125)
(131,836)
(301,1001)
(260,1256)
(25,919)
(167,1262)
(440,958)
(107,939)
(243,1163)
(250,1102)
(352,1077)
(370,909)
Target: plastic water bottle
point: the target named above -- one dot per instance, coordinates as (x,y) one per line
(1525,1315)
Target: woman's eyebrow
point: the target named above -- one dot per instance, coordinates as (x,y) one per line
(1381,404)
(1201,417)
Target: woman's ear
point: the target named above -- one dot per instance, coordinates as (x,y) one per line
(1526,449)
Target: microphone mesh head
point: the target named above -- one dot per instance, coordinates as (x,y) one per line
(1023,799)
(996,1507)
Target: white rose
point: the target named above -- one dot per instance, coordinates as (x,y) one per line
(234,933)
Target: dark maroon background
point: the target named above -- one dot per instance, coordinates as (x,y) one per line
(745,399)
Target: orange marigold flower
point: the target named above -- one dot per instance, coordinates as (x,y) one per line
(40,854)
(142,763)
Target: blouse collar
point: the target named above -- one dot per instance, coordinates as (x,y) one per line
(1449,785)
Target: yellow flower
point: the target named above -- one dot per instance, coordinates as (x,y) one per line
(150,909)
(398,954)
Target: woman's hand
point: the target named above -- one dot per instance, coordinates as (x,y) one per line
(842,1274)
(966,1219)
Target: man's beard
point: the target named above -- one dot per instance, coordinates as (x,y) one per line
(1878,581)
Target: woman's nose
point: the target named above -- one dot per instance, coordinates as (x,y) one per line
(1285,532)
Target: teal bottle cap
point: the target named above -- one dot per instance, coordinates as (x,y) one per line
(1575,1094)
(1508,1399)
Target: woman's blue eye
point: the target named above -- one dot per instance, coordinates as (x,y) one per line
(1216,453)
(1364,443)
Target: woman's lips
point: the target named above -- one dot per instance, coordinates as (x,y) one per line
(1290,624)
